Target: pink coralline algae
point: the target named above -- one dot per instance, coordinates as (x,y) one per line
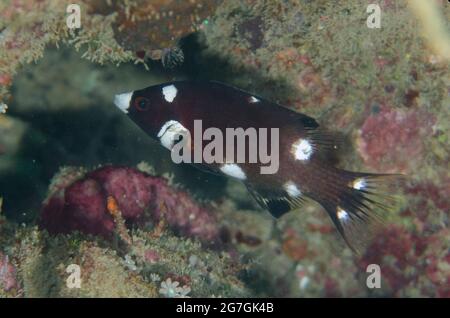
(392,140)
(429,204)
(411,261)
(415,259)
(7,273)
(151,256)
(82,205)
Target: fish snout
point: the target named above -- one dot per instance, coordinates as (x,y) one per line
(122,101)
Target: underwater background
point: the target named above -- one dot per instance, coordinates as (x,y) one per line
(62,142)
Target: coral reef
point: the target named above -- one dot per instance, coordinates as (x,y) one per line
(111,32)
(388,93)
(41,263)
(390,149)
(8,278)
(150,28)
(78,201)
(412,265)
(164,230)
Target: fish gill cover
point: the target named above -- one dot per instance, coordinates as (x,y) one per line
(80,185)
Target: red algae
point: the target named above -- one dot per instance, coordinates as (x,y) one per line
(411,261)
(82,205)
(391,140)
(7,274)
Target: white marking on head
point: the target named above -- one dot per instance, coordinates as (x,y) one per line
(302,149)
(169,92)
(253,99)
(342,214)
(122,101)
(233,170)
(170,132)
(292,189)
(359,184)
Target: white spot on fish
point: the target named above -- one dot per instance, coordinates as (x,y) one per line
(170,132)
(302,149)
(122,101)
(253,99)
(233,170)
(292,189)
(169,92)
(342,214)
(359,184)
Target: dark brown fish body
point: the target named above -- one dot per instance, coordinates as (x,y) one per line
(169,110)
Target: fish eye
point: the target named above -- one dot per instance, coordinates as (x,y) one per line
(142,103)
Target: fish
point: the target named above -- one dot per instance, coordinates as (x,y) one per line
(171,113)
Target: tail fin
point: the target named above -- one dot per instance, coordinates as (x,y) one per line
(357,204)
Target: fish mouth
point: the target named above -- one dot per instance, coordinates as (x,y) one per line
(122,101)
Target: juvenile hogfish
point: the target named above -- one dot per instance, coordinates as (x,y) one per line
(170,112)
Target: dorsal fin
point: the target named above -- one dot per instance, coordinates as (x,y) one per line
(326,143)
(307,122)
